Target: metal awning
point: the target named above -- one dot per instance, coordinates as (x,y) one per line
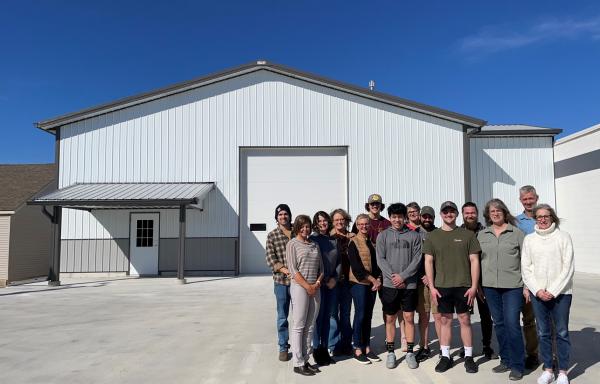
(126,195)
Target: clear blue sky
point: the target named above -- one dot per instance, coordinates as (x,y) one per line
(529,62)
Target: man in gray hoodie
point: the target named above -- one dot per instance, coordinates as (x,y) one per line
(399,258)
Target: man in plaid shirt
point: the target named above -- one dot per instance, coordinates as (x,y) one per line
(277,240)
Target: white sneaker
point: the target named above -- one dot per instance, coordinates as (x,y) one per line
(562,379)
(390,362)
(546,378)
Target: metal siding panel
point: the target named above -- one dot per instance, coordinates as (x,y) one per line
(282,112)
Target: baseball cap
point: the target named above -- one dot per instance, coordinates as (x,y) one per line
(427,210)
(448,204)
(375,198)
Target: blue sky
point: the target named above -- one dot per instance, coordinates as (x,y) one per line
(528,62)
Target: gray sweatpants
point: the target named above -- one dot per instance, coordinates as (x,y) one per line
(304,313)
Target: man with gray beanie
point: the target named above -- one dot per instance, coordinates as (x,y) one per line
(277,240)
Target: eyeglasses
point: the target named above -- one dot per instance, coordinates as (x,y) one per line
(411,213)
(339,220)
(543,217)
(362,225)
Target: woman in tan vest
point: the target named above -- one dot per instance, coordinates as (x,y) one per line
(364,283)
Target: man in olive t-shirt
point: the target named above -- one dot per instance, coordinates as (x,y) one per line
(453,253)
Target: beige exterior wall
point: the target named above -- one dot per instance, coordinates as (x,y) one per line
(4,243)
(30,244)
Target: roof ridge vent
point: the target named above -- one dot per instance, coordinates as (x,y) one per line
(261,62)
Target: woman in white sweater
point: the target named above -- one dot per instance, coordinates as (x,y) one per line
(547,268)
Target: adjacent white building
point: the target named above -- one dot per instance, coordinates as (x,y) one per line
(577,168)
(239,142)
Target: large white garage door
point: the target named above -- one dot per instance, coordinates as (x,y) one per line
(307,179)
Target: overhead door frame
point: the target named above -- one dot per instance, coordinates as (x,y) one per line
(242,183)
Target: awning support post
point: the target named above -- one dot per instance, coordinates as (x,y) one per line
(54,273)
(181,248)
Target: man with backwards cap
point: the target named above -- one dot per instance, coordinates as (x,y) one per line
(277,240)
(453,253)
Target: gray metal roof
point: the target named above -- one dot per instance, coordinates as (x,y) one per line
(104,195)
(53,123)
(516,130)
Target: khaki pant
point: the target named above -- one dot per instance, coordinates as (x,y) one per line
(424,303)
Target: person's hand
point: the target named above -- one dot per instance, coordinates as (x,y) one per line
(376,285)
(397,280)
(434,295)
(527,295)
(543,295)
(311,289)
(470,295)
(425,280)
(331,283)
(285,271)
(350,235)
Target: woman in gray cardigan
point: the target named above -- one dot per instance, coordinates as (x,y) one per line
(501,244)
(306,269)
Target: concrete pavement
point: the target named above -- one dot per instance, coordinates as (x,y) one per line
(211,330)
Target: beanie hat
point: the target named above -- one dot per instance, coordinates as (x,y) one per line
(283,207)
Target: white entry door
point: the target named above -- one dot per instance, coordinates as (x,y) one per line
(143,239)
(307,179)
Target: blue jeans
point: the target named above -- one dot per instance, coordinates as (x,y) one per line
(326,310)
(364,301)
(340,331)
(282,296)
(554,311)
(505,306)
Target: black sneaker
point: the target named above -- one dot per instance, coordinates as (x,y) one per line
(515,375)
(362,359)
(303,371)
(501,368)
(444,364)
(531,362)
(373,357)
(423,354)
(488,352)
(311,368)
(470,365)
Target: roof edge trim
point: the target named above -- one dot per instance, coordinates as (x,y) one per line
(53,123)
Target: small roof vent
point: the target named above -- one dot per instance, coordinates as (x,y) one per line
(371,85)
(261,62)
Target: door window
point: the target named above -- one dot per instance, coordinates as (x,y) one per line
(145,233)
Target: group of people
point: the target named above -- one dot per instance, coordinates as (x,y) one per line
(512,265)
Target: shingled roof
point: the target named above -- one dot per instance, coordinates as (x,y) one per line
(20,182)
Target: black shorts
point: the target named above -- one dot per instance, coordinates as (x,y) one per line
(453,298)
(394,300)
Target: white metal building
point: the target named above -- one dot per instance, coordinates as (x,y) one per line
(506,157)
(262,134)
(577,167)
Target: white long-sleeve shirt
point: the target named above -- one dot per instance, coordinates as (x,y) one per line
(547,261)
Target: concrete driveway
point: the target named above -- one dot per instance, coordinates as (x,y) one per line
(212,330)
